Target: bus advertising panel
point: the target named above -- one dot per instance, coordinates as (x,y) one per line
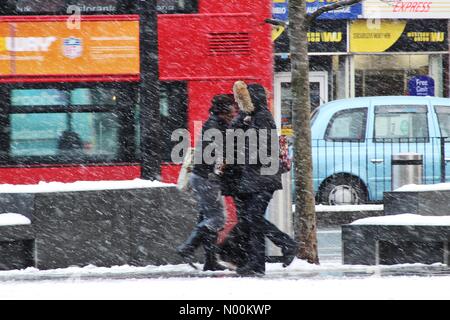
(39,48)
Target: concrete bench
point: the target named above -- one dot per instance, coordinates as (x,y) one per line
(335,216)
(423,240)
(71,226)
(16,242)
(431,200)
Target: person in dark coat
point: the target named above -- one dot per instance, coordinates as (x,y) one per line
(207,191)
(252,190)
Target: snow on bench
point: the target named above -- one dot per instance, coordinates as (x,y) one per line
(46,187)
(13,219)
(406,219)
(396,239)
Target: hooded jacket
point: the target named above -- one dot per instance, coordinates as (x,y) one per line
(214,122)
(254,115)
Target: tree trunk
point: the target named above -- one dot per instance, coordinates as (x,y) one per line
(305,215)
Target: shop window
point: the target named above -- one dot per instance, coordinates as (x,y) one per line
(402,124)
(387,75)
(314,94)
(347,125)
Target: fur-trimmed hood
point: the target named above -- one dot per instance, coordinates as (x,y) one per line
(242,97)
(250,98)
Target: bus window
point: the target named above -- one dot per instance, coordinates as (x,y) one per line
(95,96)
(36,134)
(173,111)
(66,124)
(173,114)
(38,97)
(41,134)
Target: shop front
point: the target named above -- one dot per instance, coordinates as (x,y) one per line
(387,56)
(375,48)
(327,46)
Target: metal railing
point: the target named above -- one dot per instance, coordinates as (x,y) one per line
(369,160)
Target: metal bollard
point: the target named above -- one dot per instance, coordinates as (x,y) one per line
(407,168)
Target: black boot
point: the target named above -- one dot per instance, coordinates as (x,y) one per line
(289,246)
(187,249)
(211,250)
(256,254)
(289,251)
(234,249)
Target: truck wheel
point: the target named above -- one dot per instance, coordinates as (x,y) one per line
(343,190)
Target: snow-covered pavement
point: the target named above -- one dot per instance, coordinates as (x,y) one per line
(298,281)
(330,280)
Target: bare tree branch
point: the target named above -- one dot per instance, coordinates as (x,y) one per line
(276,22)
(337,5)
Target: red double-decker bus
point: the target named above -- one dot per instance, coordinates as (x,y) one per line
(203,52)
(92,89)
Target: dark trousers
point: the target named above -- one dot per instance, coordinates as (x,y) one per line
(253,227)
(236,248)
(209,202)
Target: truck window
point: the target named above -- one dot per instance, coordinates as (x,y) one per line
(401,124)
(443,115)
(347,125)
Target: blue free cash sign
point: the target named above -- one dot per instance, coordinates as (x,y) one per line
(421,86)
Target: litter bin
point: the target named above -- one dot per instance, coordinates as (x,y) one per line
(407,168)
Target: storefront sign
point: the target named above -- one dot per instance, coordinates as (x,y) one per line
(280,10)
(352,12)
(399,36)
(406,9)
(421,86)
(330,36)
(324,36)
(50,48)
